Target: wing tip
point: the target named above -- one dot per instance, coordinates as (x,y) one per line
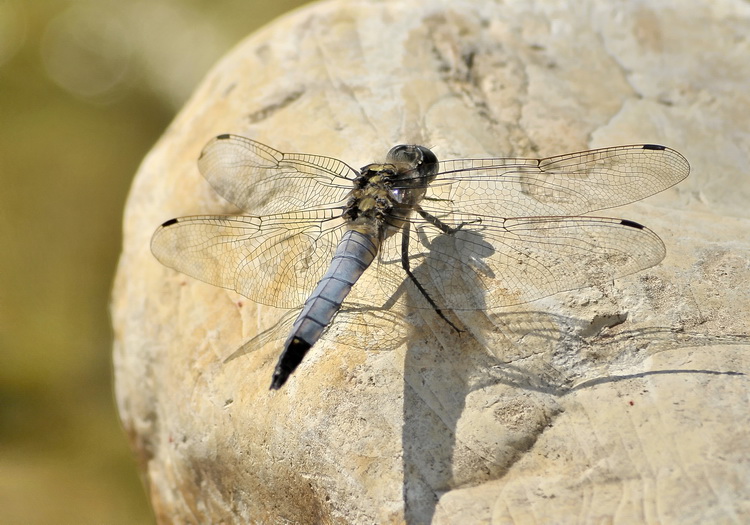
(170,222)
(654,147)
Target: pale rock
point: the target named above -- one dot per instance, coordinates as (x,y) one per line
(627,403)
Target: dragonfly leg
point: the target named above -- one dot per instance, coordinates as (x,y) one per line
(407,268)
(440,225)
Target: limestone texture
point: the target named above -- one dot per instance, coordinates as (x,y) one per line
(624,403)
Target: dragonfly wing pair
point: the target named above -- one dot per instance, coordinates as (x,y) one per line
(510,227)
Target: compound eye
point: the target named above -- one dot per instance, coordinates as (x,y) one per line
(405,153)
(428,157)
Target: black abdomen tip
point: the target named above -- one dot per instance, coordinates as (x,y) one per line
(289,360)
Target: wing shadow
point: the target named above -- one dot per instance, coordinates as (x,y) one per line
(532,351)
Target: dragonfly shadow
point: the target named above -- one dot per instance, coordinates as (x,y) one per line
(442,365)
(510,354)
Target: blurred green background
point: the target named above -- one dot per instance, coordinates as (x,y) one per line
(86,87)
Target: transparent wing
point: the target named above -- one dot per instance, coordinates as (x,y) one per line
(494,260)
(275,260)
(571,184)
(502,262)
(262,180)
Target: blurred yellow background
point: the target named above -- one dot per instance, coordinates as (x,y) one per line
(86,87)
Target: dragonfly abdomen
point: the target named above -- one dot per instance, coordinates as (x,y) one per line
(354,254)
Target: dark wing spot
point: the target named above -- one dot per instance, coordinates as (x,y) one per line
(655,147)
(632,224)
(170,222)
(225,136)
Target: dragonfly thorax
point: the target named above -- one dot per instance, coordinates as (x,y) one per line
(372,199)
(386,194)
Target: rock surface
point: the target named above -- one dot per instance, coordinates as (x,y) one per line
(626,403)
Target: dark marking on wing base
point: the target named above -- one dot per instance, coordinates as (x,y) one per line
(170,222)
(655,147)
(632,224)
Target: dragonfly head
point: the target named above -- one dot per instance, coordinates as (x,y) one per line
(416,161)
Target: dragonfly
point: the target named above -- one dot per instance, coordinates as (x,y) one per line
(469,234)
